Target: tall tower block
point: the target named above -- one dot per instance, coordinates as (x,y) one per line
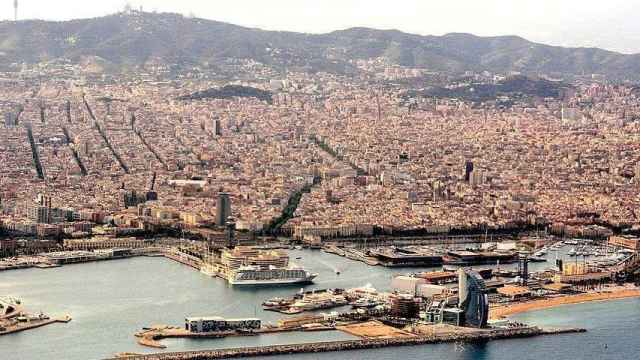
(223,208)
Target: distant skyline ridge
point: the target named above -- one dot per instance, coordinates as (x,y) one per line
(609,25)
(126,40)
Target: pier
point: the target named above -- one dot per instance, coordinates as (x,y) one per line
(32,324)
(352,254)
(349,344)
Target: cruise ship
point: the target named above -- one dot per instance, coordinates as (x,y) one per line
(255,275)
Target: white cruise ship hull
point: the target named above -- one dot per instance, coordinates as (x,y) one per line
(307,280)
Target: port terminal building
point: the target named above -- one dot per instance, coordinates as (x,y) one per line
(217,324)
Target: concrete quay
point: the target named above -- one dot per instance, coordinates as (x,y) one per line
(32,324)
(482,336)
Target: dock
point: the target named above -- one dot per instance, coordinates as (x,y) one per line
(32,324)
(352,254)
(152,336)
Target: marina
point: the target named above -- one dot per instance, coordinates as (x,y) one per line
(422,255)
(307,301)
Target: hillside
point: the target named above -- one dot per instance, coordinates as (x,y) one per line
(513,87)
(229,91)
(131,40)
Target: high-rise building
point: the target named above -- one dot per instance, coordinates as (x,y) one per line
(468,168)
(40,212)
(472,298)
(223,208)
(217,127)
(131,198)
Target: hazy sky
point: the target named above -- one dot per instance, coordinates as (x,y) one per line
(610,24)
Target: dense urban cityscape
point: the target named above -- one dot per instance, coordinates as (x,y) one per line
(413,206)
(568,163)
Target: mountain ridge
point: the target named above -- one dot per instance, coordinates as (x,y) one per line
(133,39)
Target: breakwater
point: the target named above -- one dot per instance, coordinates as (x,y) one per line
(330,346)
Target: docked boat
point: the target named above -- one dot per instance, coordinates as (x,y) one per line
(364,303)
(277,303)
(255,275)
(624,252)
(541,252)
(307,304)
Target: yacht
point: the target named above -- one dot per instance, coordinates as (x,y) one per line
(364,303)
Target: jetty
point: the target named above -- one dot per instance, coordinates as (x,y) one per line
(480,336)
(33,323)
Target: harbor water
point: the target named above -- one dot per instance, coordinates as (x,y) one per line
(111,300)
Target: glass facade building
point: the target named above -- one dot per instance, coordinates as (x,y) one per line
(472,298)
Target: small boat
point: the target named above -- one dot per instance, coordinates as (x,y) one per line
(572,252)
(292,310)
(298,247)
(299,257)
(364,303)
(540,253)
(537,259)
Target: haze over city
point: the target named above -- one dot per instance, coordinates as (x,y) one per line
(565,23)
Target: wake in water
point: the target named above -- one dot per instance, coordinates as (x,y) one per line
(328,265)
